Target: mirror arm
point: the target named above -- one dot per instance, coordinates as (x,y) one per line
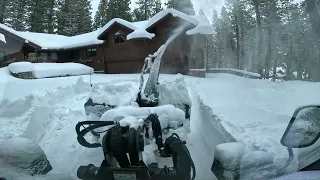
(281,171)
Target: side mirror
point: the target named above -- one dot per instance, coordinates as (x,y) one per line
(304,128)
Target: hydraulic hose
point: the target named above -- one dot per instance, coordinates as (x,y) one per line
(93,125)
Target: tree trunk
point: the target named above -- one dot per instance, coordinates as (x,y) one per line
(260,36)
(275,65)
(269,55)
(314,16)
(145,10)
(238,41)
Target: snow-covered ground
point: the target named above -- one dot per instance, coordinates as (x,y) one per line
(224,108)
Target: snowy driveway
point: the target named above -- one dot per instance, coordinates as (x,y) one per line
(254,112)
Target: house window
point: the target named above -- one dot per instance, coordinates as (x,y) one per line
(43,57)
(119,37)
(92,52)
(54,56)
(3,54)
(75,55)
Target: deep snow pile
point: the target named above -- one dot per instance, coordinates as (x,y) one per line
(255,112)
(45,70)
(49,118)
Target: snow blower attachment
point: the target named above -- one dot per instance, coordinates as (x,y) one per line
(120,141)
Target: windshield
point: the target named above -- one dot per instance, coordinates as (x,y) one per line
(186,89)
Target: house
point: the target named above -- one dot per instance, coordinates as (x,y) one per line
(120,46)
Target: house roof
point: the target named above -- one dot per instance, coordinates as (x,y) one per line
(55,41)
(139,30)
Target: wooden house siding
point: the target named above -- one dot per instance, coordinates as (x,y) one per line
(182,54)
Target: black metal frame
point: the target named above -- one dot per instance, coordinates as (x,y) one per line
(290,125)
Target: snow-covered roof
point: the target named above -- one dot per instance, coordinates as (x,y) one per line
(2,38)
(55,41)
(203,26)
(140,30)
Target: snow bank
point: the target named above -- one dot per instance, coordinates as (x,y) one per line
(3,38)
(174,92)
(256,112)
(21,67)
(45,70)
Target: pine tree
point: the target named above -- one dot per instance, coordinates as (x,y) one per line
(16,15)
(228,44)
(50,18)
(119,9)
(101,17)
(184,6)
(74,17)
(3,10)
(84,20)
(66,18)
(157,7)
(146,9)
(36,19)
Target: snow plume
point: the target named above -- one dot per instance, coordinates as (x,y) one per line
(176,32)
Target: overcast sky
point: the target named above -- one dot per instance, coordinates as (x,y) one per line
(206,5)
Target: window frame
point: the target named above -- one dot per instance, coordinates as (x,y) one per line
(119,35)
(91,53)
